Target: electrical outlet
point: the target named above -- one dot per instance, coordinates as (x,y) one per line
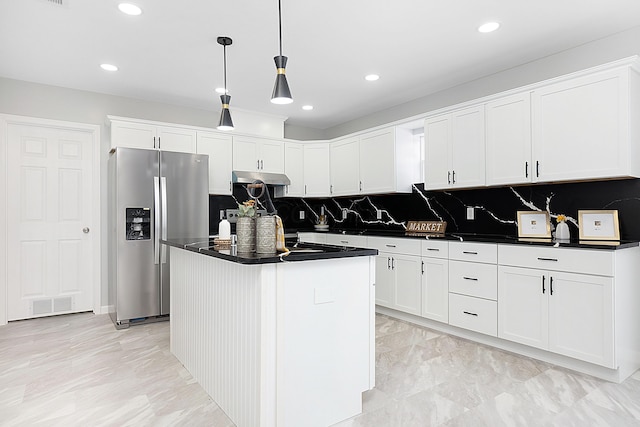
(344,213)
(471,213)
(301,214)
(378,214)
(232,215)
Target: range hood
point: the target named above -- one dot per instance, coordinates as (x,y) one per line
(246,177)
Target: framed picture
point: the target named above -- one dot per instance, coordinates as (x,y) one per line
(534,224)
(599,225)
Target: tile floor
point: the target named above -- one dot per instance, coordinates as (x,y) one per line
(78,370)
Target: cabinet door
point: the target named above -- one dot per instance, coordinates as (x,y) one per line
(435,289)
(316,169)
(132,135)
(385,282)
(220,150)
(581,317)
(508,122)
(378,162)
(245,154)
(408,283)
(176,139)
(271,155)
(522,306)
(345,167)
(580,128)
(468,147)
(437,138)
(294,169)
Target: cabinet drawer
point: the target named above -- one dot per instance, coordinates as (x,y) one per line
(473,279)
(583,261)
(435,249)
(472,313)
(476,252)
(347,240)
(407,246)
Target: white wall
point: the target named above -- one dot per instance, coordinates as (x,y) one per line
(598,52)
(50,102)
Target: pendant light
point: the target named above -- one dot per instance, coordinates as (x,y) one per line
(225,122)
(281,93)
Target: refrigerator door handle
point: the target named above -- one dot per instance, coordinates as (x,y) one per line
(163,191)
(156,220)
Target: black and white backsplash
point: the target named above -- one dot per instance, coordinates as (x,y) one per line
(495,208)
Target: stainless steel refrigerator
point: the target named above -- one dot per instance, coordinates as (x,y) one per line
(153,195)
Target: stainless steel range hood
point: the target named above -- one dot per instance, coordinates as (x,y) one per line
(246,177)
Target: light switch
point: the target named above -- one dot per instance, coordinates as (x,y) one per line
(471,213)
(378,214)
(344,213)
(301,214)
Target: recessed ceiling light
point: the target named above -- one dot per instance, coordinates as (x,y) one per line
(372,77)
(488,27)
(129,9)
(108,67)
(221,90)
(307,107)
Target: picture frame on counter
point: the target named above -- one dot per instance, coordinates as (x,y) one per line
(534,224)
(598,225)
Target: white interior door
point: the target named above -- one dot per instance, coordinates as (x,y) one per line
(49,218)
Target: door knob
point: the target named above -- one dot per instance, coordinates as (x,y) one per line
(85,230)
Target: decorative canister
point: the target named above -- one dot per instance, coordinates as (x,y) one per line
(266,234)
(246,233)
(562,229)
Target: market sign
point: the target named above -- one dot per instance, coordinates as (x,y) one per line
(426,228)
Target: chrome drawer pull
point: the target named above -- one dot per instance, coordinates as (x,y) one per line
(470,253)
(547,259)
(470,314)
(470,278)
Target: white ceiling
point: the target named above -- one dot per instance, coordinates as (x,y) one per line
(169,53)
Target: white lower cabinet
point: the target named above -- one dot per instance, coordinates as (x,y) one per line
(435,280)
(475,314)
(398,274)
(566,313)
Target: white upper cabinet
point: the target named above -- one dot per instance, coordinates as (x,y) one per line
(257,154)
(316,169)
(389,161)
(150,136)
(455,149)
(508,126)
(219,148)
(587,127)
(345,167)
(294,169)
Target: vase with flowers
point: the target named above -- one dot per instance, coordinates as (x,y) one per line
(246,226)
(562,229)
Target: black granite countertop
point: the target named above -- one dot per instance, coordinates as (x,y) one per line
(298,251)
(492,238)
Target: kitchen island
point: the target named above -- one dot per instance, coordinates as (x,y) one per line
(276,340)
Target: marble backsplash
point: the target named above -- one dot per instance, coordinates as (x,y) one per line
(495,208)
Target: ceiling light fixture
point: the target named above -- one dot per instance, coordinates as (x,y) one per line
(129,9)
(281,93)
(488,27)
(371,77)
(221,90)
(108,67)
(307,107)
(225,122)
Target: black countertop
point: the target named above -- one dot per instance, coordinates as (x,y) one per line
(490,238)
(298,251)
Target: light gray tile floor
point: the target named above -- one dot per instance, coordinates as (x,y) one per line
(78,370)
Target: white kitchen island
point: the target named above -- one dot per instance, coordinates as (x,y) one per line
(276,343)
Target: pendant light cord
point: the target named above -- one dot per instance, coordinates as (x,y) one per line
(225,68)
(280,24)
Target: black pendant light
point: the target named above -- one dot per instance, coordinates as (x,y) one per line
(281,93)
(225,122)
